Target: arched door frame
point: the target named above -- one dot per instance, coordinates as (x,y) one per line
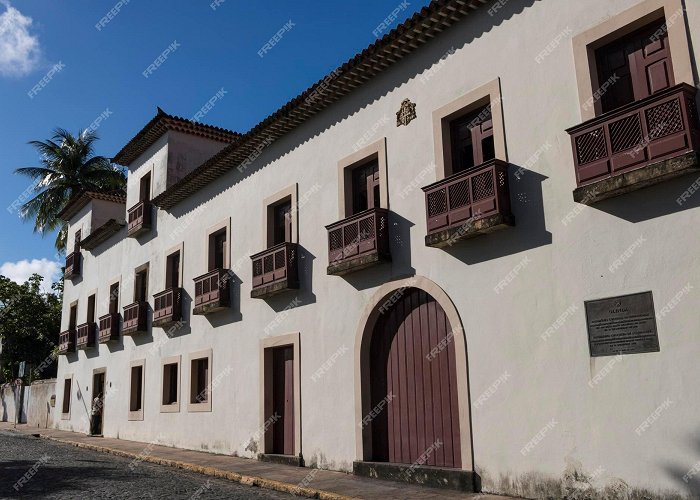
(365,329)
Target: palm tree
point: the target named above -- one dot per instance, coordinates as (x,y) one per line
(68,169)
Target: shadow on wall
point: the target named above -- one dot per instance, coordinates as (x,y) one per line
(687,476)
(304,295)
(463,33)
(529,232)
(655,201)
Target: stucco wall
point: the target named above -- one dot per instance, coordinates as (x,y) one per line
(592,430)
(40,413)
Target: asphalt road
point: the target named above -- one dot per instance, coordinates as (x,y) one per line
(38,468)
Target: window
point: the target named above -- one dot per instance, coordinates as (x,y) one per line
(141,285)
(76,240)
(471,137)
(365,187)
(217,250)
(639,64)
(66,395)
(91,309)
(170,382)
(145,188)
(136,390)
(172,271)
(200,381)
(73,318)
(199,392)
(114,298)
(282,222)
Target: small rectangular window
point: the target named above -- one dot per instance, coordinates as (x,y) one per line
(76,241)
(217,250)
(172,271)
(145,188)
(136,396)
(365,187)
(91,309)
(73,318)
(66,395)
(141,286)
(170,383)
(114,298)
(199,373)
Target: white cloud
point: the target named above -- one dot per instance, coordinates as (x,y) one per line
(19,49)
(20,271)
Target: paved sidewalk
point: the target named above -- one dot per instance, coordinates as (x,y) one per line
(322,484)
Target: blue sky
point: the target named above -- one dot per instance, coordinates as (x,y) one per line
(64,64)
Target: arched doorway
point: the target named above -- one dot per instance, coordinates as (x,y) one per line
(413,383)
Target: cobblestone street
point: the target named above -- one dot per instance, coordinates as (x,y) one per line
(56,470)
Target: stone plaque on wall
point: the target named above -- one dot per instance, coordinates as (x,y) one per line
(622,325)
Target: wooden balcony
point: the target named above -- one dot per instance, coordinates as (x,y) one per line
(275,270)
(66,342)
(167,307)
(135,318)
(211,292)
(637,145)
(359,241)
(139,218)
(85,335)
(73,261)
(467,204)
(109,328)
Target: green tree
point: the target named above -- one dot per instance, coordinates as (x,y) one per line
(30,321)
(68,169)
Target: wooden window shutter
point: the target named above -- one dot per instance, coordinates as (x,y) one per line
(373,196)
(481,134)
(651,67)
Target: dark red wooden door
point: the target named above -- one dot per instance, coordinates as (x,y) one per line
(412,367)
(283,400)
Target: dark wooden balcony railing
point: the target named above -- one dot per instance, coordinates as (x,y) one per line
(66,342)
(85,335)
(109,328)
(167,307)
(475,201)
(275,270)
(135,318)
(607,149)
(73,261)
(211,291)
(139,219)
(359,241)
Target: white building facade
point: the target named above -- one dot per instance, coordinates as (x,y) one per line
(430,228)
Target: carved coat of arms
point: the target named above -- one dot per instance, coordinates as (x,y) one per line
(406,114)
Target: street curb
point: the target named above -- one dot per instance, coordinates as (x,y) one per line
(209,471)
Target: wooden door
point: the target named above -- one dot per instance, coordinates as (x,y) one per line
(419,385)
(283,400)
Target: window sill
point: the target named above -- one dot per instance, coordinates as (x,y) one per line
(171,408)
(199,407)
(136,415)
